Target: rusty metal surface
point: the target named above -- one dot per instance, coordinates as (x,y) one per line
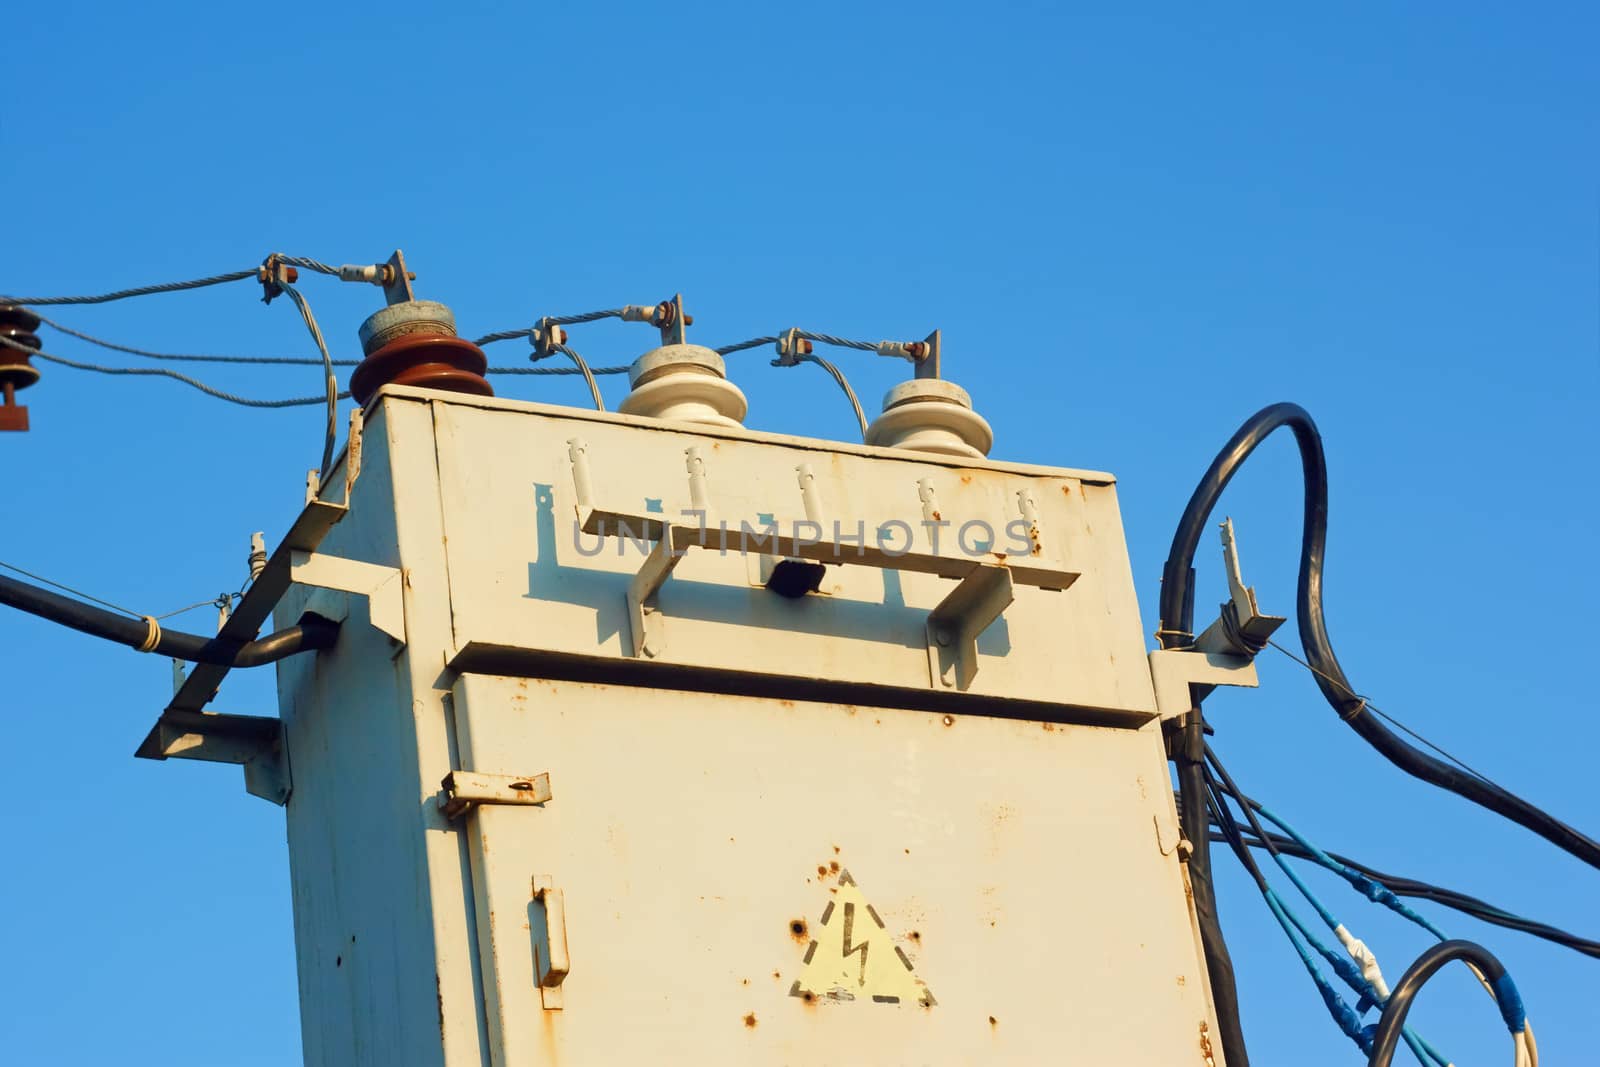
(867,885)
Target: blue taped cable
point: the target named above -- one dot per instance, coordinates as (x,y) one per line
(1368,888)
(1510,1001)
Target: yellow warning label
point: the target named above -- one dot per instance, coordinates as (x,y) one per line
(853,957)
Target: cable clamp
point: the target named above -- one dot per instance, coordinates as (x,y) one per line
(546,337)
(273,274)
(790,347)
(152,635)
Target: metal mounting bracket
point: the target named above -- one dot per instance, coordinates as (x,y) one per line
(255,742)
(1175,670)
(1240,628)
(954,626)
(463,790)
(644,613)
(380,585)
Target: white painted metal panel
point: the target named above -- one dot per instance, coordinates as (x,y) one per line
(1026,871)
(523,577)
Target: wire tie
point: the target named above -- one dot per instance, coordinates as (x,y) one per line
(1353,712)
(152,636)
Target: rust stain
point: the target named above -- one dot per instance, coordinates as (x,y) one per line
(1205,1045)
(776,977)
(915,936)
(822,870)
(949,720)
(1049,727)
(833,865)
(799,931)
(438,992)
(744,981)
(966,479)
(993,1021)
(750,1020)
(937,517)
(835,850)
(1182,981)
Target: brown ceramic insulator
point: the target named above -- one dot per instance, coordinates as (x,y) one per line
(17,324)
(424,360)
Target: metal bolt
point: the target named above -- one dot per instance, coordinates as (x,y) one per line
(943,636)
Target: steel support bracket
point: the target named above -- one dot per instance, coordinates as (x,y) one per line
(646,634)
(1174,671)
(380,585)
(953,627)
(463,790)
(255,742)
(1240,628)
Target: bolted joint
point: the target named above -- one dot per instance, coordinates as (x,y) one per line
(274,274)
(790,347)
(546,338)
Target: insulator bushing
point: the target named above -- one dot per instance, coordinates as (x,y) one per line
(17,325)
(684,383)
(931,415)
(414,343)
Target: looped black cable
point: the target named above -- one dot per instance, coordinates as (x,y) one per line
(1177,610)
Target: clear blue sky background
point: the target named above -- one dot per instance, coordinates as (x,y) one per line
(1134,230)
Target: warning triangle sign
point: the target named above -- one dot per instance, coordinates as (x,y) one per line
(853,958)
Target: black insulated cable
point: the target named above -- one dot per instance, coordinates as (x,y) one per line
(313,631)
(1386,1038)
(1177,614)
(1420,890)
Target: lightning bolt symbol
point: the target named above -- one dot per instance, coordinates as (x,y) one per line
(849,928)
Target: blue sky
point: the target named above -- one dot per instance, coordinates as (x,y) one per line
(1134,231)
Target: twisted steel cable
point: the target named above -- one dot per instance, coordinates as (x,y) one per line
(162,372)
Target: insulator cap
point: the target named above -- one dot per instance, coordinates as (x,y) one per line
(414,343)
(684,383)
(931,415)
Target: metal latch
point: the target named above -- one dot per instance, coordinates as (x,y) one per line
(551,959)
(463,790)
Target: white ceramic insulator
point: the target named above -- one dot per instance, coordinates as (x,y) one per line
(684,383)
(931,415)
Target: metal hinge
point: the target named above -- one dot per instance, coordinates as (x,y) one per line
(463,790)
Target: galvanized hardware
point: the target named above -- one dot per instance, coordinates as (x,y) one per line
(258,554)
(545,337)
(414,342)
(391,276)
(790,347)
(953,627)
(931,415)
(1240,627)
(17,324)
(925,354)
(464,790)
(552,959)
(380,585)
(1223,655)
(273,274)
(244,624)
(667,316)
(254,742)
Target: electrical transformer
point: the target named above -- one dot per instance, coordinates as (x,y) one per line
(649,738)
